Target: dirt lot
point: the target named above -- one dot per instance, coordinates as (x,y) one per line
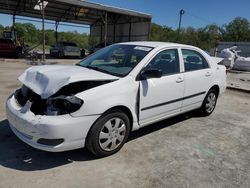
(185,151)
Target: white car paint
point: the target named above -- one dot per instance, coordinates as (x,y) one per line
(47,80)
(126,91)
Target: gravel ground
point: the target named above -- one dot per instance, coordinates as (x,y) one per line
(239,80)
(185,151)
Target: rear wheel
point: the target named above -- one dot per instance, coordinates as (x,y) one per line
(108,134)
(209,103)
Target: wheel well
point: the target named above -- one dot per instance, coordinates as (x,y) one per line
(216,88)
(125,110)
(121,108)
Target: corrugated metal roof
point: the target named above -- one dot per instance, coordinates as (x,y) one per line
(74,11)
(107,8)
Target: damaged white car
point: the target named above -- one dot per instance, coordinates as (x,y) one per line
(119,89)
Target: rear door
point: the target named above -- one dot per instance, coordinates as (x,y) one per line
(162,97)
(198,78)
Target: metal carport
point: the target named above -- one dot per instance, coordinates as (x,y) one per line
(107,24)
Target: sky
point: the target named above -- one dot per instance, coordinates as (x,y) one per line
(198,13)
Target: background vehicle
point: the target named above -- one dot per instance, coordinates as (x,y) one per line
(8,48)
(118,89)
(65,49)
(12,35)
(97,47)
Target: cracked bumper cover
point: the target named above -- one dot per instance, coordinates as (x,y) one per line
(30,128)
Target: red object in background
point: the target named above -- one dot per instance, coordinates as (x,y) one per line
(8,48)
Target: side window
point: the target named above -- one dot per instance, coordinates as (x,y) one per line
(167,61)
(193,60)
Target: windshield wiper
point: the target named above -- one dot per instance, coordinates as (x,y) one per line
(94,68)
(100,70)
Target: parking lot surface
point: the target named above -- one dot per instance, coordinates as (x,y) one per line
(185,151)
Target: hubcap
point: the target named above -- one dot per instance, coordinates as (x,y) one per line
(112,134)
(210,103)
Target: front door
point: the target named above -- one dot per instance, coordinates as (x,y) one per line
(162,97)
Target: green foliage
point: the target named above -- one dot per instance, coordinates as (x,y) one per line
(1,29)
(238,30)
(33,36)
(81,39)
(205,38)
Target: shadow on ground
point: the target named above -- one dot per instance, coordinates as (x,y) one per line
(17,155)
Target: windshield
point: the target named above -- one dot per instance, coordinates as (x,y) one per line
(117,60)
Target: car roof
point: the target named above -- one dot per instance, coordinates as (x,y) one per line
(155,44)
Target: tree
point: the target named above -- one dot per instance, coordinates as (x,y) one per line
(20,29)
(205,38)
(237,30)
(162,33)
(1,30)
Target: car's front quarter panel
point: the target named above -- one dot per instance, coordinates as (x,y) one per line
(30,127)
(122,92)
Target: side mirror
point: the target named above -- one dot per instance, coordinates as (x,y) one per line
(150,73)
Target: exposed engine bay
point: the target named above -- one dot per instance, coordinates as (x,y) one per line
(62,102)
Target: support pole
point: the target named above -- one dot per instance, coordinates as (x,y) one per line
(57,23)
(129,32)
(106,29)
(13,28)
(114,32)
(179,28)
(149,29)
(13,20)
(101,33)
(43,30)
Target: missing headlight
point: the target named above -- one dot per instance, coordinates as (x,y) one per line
(24,94)
(63,105)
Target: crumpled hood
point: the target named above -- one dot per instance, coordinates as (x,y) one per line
(46,80)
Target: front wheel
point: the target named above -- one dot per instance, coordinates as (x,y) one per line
(108,134)
(209,103)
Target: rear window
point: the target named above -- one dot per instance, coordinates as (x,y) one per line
(193,60)
(69,44)
(7,41)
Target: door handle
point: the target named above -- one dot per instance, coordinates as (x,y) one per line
(179,80)
(208,74)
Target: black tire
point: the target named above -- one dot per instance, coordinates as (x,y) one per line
(15,55)
(93,141)
(51,54)
(204,110)
(60,55)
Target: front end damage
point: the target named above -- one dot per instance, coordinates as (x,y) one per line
(62,102)
(47,123)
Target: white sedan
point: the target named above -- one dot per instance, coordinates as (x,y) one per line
(121,88)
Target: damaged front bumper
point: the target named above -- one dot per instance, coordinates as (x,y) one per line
(49,133)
